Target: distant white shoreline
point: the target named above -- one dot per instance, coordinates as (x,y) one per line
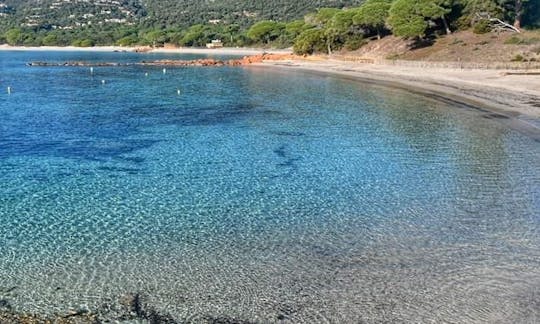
(180,50)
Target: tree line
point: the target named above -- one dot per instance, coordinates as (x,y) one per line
(330,29)
(325,30)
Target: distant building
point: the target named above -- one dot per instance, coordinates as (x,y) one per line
(216,43)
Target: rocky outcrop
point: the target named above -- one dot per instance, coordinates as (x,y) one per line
(246,60)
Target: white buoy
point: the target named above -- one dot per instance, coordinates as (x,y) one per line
(91,70)
(178,91)
(146,74)
(164,71)
(9,90)
(102,81)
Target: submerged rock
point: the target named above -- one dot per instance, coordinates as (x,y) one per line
(136,306)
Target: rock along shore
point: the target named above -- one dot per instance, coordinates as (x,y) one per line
(246,60)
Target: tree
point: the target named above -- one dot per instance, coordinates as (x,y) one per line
(232,30)
(83,43)
(515,12)
(518,9)
(295,28)
(437,9)
(155,37)
(338,28)
(324,15)
(265,31)
(50,40)
(409,18)
(405,20)
(14,36)
(309,41)
(532,14)
(373,14)
(194,36)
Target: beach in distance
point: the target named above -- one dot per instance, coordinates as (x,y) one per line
(170,50)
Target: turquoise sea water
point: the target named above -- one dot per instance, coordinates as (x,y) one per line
(260,195)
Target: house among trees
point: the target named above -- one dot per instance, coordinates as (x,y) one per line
(216,43)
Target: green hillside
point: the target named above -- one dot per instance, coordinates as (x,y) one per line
(74,14)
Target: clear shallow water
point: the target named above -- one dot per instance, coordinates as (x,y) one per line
(260,195)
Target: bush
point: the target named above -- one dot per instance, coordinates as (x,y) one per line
(83,43)
(482,27)
(127,41)
(392,56)
(518,58)
(514,40)
(354,43)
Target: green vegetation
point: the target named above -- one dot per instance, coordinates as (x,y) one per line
(515,40)
(373,15)
(518,58)
(281,23)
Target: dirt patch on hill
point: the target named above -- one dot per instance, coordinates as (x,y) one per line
(461,46)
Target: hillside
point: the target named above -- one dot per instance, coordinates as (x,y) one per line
(463,46)
(189,12)
(73,14)
(69,14)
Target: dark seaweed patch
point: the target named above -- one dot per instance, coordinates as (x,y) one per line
(291,134)
(4,304)
(495,116)
(120,169)
(280,151)
(224,320)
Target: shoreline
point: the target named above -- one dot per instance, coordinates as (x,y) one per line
(511,99)
(159,50)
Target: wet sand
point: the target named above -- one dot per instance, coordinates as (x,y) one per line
(513,98)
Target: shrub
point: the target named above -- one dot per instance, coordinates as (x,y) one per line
(518,58)
(514,40)
(354,43)
(482,27)
(83,43)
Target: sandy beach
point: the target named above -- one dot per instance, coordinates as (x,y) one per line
(516,96)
